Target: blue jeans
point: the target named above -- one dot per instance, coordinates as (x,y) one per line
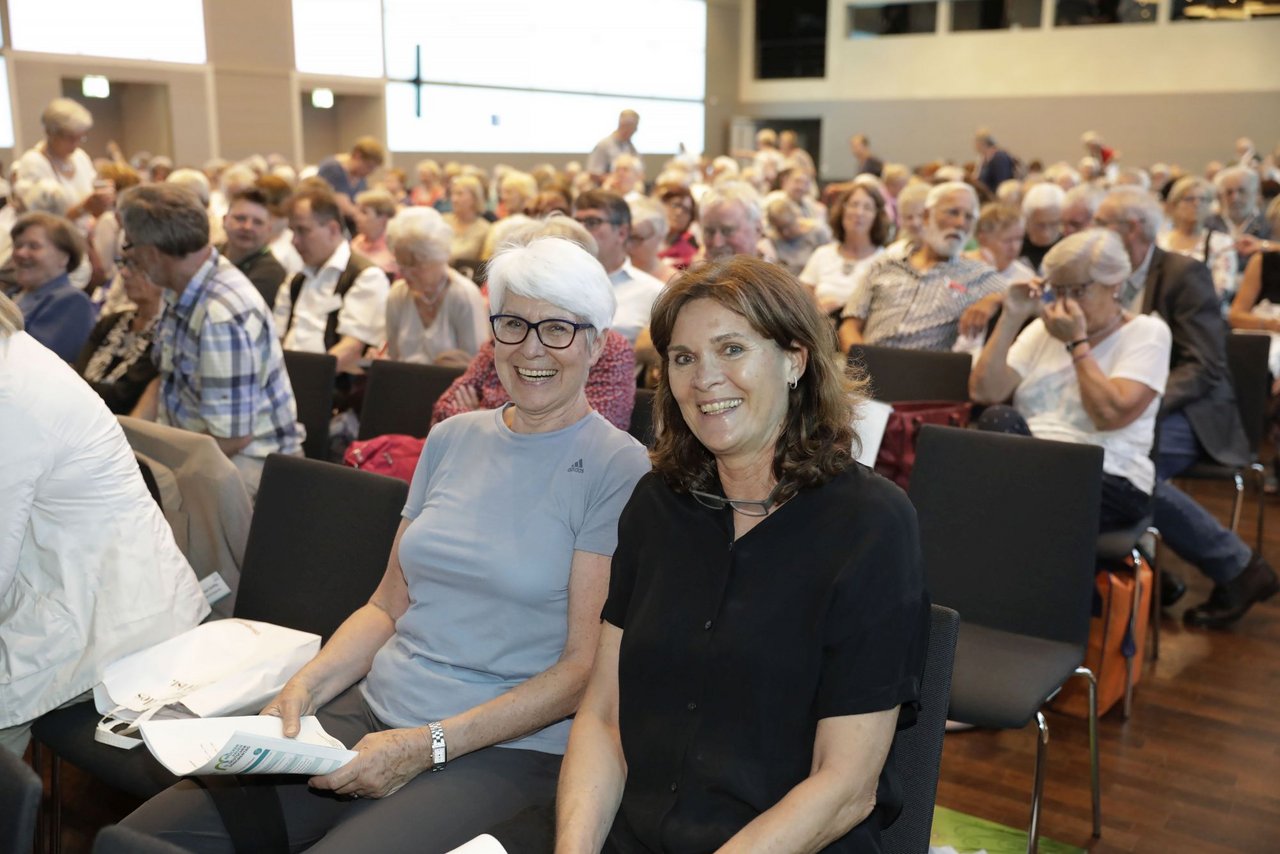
(1187,528)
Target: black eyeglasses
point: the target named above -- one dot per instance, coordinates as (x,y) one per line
(743,506)
(553,333)
(591,223)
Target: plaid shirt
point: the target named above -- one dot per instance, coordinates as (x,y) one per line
(221,367)
(905,308)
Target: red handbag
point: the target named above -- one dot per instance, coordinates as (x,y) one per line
(394,455)
(897,455)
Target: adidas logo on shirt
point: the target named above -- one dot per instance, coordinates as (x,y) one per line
(577,467)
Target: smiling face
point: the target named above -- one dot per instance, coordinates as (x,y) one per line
(729,381)
(859,214)
(546,385)
(949,224)
(727,230)
(36,259)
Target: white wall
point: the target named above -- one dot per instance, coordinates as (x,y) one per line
(1037,89)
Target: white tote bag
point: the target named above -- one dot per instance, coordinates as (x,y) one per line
(219,668)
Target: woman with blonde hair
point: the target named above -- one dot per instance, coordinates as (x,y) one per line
(466,195)
(1189,207)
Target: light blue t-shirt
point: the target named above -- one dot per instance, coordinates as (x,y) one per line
(495,519)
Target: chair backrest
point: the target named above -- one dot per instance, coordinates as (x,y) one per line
(319,543)
(312,376)
(399,397)
(20,791)
(898,374)
(641,425)
(115,839)
(1008,528)
(1247,359)
(917,750)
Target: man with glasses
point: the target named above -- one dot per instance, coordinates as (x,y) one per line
(1198,415)
(221,368)
(608,218)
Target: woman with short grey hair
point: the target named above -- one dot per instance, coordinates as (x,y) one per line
(435,315)
(648,236)
(1189,206)
(471,656)
(60,158)
(1085,370)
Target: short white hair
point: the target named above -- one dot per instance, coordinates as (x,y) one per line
(630,161)
(194,180)
(1084,194)
(45,195)
(1043,196)
(557,271)
(732,192)
(555,225)
(1251,181)
(236,177)
(1010,192)
(64,115)
(645,209)
(946,188)
(1136,204)
(1092,255)
(727,166)
(421,233)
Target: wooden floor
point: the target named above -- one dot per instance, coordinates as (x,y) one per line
(1195,769)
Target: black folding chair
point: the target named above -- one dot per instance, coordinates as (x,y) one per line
(317,548)
(1008,529)
(399,397)
(312,376)
(1247,359)
(918,748)
(641,425)
(900,375)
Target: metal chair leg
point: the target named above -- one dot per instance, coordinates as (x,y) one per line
(1095,781)
(1238,504)
(55,804)
(1157,607)
(1037,788)
(1127,707)
(1260,492)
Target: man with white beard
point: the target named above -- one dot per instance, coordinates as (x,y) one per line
(923,300)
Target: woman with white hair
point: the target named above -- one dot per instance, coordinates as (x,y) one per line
(1189,206)
(1042,208)
(471,656)
(59,157)
(1084,371)
(435,315)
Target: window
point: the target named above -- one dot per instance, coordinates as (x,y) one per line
(161,30)
(1074,13)
(552,76)
(791,39)
(968,15)
(868,20)
(338,37)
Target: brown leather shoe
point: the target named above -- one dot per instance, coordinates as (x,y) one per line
(1229,602)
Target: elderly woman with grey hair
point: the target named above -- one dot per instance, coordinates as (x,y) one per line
(435,315)
(60,158)
(1084,371)
(472,654)
(1042,208)
(1189,204)
(649,226)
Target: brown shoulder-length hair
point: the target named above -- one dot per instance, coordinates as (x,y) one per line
(881,229)
(817,435)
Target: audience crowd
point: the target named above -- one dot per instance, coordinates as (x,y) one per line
(1096,299)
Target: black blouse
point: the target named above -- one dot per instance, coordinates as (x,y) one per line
(732,651)
(116,361)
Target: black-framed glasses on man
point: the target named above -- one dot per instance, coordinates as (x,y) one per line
(552,332)
(591,223)
(739,505)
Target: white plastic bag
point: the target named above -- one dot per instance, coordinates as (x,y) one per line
(216,669)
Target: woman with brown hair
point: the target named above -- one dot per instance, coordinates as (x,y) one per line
(766,619)
(861,226)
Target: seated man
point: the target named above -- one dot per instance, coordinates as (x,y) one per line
(924,300)
(607,217)
(221,368)
(1240,213)
(347,174)
(338,303)
(730,216)
(1078,208)
(248,227)
(1198,417)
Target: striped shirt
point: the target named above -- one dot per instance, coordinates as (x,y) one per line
(903,307)
(221,366)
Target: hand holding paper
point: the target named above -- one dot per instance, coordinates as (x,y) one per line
(243,745)
(385,761)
